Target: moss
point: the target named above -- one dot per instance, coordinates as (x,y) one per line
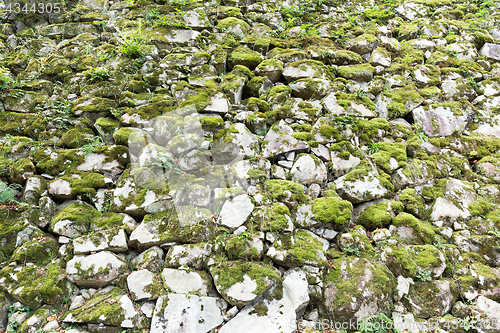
(347,279)
(83,183)
(361,72)
(38,251)
(239,247)
(102,308)
(211,123)
(387,151)
(379,215)
(332,211)
(425,256)
(80,214)
(279,94)
(413,203)
(423,230)
(479,207)
(171,230)
(345,100)
(231,22)
(260,309)
(302,136)
(242,55)
(35,285)
(301,249)
(399,98)
(285,190)
(227,274)
(430,91)
(76,137)
(276,217)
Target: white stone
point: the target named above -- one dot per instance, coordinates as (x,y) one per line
(236,211)
(177,313)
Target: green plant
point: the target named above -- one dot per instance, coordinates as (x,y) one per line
(350,249)
(419,132)
(167,162)
(92,145)
(5,80)
(374,147)
(423,275)
(97,74)
(468,323)
(377,324)
(8,193)
(438,244)
(495,232)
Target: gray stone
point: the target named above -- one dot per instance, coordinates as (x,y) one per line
(490,51)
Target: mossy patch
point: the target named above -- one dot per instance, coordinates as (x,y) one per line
(332,211)
(380,214)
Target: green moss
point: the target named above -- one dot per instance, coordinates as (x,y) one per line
(479,207)
(345,100)
(227,274)
(301,249)
(399,98)
(37,251)
(348,284)
(35,285)
(102,308)
(413,203)
(239,247)
(379,215)
(242,55)
(425,256)
(80,214)
(231,22)
(76,137)
(276,217)
(361,72)
(332,211)
(83,183)
(430,91)
(279,93)
(423,230)
(387,151)
(260,309)
(211,123)
(285,190)
(302,136)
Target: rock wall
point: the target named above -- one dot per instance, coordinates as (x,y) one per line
(250,166)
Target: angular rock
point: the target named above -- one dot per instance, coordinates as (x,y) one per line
(188,313)
(235,212)
(490,51)
(95,270)
(186,281)
(110,306)
(241,282)
(277,312)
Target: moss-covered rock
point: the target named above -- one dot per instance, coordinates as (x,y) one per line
(379,215)
(286,191)
(111,306)
(361,72)
(242,55)
(75,219)
(33,285)
(298,249)
(356,283)
(271,218)
(332,211)
(230,278)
